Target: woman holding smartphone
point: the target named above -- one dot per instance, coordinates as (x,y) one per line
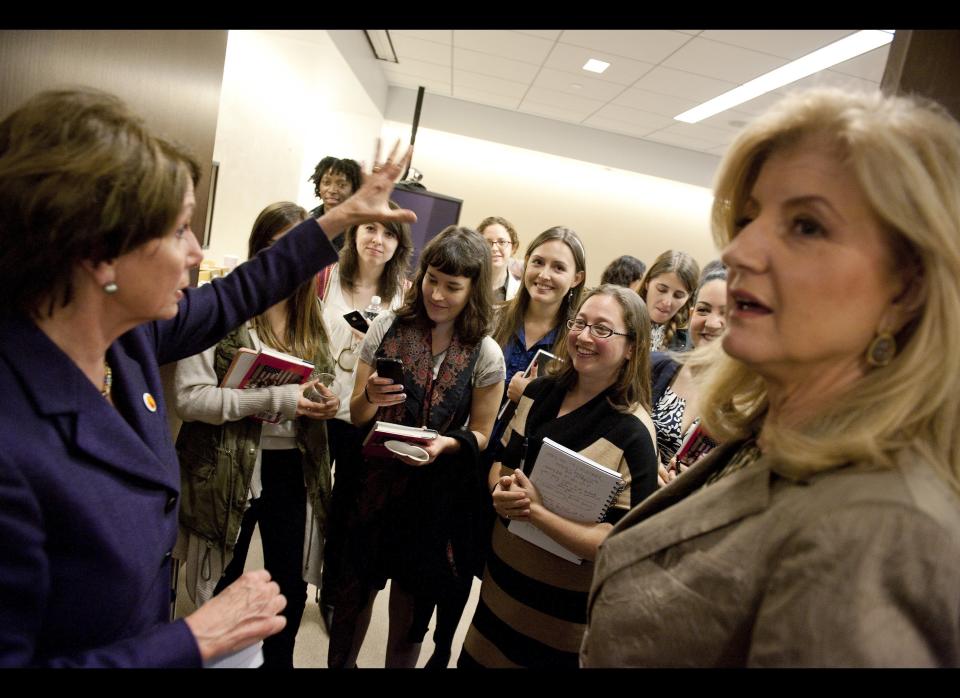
(280,467)
(532,609)
(373,262)
(554,268)
(417,523)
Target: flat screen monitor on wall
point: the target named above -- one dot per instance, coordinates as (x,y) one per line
(434,213)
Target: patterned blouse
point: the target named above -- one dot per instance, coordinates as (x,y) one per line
(667,419)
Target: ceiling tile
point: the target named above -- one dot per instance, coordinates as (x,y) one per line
(786,43)
(638,119)
(694,32)
(869,66)
(648,45)
(570,59)
(412,82)
(562,100)
(829,78)
(418,69)
(722,61)
(549,34)
(487,83)
(439,36)
(626,128)
(487,64)
(564,82)
(508,44)
(409,47)
(681,141)
(730,120)
(708,134)
(644,100)
(483,97)
(720,150)
(571,114)
(758,105)
(678,83)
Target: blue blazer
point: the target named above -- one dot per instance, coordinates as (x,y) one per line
(89,492)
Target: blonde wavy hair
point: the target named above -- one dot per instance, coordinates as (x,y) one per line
(906,157)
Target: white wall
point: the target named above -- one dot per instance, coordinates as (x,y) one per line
(288,99)
(615,211)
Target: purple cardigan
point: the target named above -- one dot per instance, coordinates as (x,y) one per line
(89,493)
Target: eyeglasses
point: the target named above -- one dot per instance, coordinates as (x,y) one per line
(598,331)
(499,243)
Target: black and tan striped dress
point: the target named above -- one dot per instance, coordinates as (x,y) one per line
(532,609)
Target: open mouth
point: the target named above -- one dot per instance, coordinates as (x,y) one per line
(744,302)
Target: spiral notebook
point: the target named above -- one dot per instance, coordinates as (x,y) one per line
(572,486)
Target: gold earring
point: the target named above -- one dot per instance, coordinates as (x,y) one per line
(882,349)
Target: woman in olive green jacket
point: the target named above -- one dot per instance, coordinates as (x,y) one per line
(229,459)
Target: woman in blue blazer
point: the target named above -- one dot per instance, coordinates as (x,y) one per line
(95,230)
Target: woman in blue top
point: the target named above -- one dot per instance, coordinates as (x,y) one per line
(554,269)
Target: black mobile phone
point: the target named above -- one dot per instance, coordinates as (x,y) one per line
(356,320)
(390,368)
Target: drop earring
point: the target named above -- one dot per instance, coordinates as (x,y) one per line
(110,288)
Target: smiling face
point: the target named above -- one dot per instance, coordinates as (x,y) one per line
(811,272)
(375,244)
(444,295)
(550,272)
(666,294)
(709,312)
(149,277)
(334,189)
(599,360)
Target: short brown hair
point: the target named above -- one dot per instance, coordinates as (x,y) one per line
(511,231)
(456,251)
(81,178)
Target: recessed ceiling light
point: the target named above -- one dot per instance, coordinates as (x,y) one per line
(821,59)
(595,66)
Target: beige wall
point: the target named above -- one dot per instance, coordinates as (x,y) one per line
(288,99)
(615,211)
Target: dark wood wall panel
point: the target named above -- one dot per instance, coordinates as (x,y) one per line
(171,78)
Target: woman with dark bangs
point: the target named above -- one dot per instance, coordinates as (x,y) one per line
(420,524)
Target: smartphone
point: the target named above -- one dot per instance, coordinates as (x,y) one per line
(356,320)
(390,368)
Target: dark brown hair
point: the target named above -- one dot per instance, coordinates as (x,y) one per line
(305,334)
(511,231)
(394,272)
(512,314)
(456,251)
(81,178)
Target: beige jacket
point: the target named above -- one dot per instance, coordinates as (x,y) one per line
(858,566)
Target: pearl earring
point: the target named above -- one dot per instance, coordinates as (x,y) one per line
(110,288)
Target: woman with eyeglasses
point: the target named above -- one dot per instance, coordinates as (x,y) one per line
(502,238)
(533,604)
(374,261)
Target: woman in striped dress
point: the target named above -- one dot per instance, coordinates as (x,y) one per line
(532,605)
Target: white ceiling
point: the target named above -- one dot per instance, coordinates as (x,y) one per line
(653,75)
